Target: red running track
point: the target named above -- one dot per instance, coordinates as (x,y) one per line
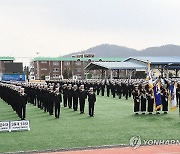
(160,149)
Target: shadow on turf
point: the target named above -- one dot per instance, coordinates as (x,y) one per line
(151,117)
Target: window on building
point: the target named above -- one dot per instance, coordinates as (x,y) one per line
(55,63)
(55,69)
(55,76)
(43,62)
(67,63)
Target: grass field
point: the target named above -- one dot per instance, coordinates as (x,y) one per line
(114,123)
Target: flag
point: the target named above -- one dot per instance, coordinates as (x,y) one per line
(157,94)
(150,80)
(149,76)
(173,100)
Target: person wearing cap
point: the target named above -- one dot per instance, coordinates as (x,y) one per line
(91,100)
(178,93)
(113,89)
(108,87)
(164,98)
(23,102)
(119,89)
(65,94)
(51,100)
(136,95)
(98,87)
(75,95)
(143,99)
(102,88)
(82,98)
(70,91)
(150,98)
(57,101)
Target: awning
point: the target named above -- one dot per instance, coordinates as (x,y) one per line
(115,66)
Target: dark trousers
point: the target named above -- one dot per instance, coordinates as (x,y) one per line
(114,94)
(34,100)
(98,91)
(108,91)
(150,105)
(51,105)
(102,92)
(75,104)
(23,112)
(57,109)
(91,108)
(178,99)
(45,105)
(38,102)
(143,104)
(120,95)
(70,102)
(126,95)
(65,101)
(82,104)
(136,105)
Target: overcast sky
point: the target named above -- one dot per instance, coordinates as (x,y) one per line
(58,27)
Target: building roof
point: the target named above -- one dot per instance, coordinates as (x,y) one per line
(157,60)
(75,59)
(7,58)
(114,66)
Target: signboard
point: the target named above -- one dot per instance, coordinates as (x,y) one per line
(4,126)
(8,126)
(19,125)
(13,77)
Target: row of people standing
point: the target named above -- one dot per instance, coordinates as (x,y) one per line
(74,95)
(144,98)
(48,97)
(16,97)
(115,88)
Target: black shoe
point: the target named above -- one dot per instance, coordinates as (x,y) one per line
(143,113)
(136,113)
(150,113)
(165,112)
(157,113)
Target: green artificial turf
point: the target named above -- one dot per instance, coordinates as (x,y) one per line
(114,123)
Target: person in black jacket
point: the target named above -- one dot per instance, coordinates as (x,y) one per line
(178,94)
(75,95)
(119,90)
(23,102)
(136,95)
(65,94)
(57,101)
(150,98)
(91,100)
(70,91)
(164,98)
(143,96)
(82,98)
(113,89)
(98,87)
(51,100)
(102,88)
(108,87)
